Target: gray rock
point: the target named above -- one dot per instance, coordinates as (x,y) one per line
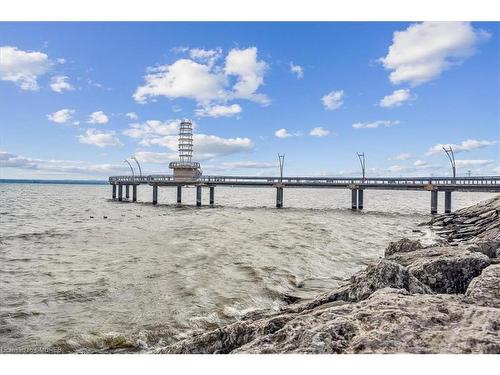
(484,290)
(389,321)
(488,248)
(443,269)
(404,245)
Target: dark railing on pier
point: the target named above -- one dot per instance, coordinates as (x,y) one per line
(356,184)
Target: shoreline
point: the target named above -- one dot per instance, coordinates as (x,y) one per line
(440,298)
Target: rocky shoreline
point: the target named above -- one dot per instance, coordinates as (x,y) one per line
(443,298)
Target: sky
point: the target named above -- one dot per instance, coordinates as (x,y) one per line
(77,99)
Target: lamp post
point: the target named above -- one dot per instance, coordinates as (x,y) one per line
(281,159)
(130,165)
(451,156)
(362,161)
(137,162)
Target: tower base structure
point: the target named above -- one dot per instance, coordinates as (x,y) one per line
(186,171)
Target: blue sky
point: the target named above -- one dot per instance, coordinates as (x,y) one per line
(78,98)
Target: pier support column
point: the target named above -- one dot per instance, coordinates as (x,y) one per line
(120,192)
(279,197)
(447,202)
(198,196)
(360,199)
(434,202)
(127,191)
(212,195)
(354,199)
(134,193)
(179,194)
(114,191)
(155,194)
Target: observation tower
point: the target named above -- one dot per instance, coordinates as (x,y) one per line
(185,169)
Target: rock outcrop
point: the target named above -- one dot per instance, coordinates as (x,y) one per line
(444,298)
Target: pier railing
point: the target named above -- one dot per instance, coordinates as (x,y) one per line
(296,180)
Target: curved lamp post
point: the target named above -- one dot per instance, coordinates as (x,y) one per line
(451,156)
(130,165)
(137,162)
(361,157)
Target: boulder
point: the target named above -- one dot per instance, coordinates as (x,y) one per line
(443,269)
(484,290)
(404,245)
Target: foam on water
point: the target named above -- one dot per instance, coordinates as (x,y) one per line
(144,276)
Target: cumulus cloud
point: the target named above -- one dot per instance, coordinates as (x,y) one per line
(282,133)
(132,115)
(23,68)
(396,99)
(402,156)
(98,117)
(375,124)
(60,84)
(62,116)
(424,50)
(333,100)
(99,138)
(201,79)
(164,134)
(155,157)
(297,70)
(219,111)
(468,145)
(319,132)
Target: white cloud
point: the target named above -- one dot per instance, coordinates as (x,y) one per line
(396,99)
(60,84)
(219,111)
(402,156)
(333,100)
(99,138)
(424,50)
(58,168)
(152,129)
(98,117)
(243,63)
(319,132)
(183,79)
(297,70)
(473,163)
(496,169)
(374,124)
(468,145)
(397,169)
(157,133)
(420,164)
(132,115)
(61,116)
(206,82)
(23,68)
(247,165)
(282,133)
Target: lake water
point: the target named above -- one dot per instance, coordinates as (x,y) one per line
(73,280)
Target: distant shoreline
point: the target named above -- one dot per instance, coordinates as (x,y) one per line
(58,182)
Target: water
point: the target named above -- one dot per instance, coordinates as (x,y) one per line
(73,280)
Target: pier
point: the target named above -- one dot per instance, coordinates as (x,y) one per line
(357,186)
(188,173)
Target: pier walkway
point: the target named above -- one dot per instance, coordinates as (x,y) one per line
(357,186)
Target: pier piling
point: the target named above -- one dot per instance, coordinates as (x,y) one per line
(360,199)
(179,194)
(198,196)
(279,197)
(127,191)
(120,192)
(212,195)
(114,191)
(447,202)
(134,193)
(155,194)
(434,202)
(354,199)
